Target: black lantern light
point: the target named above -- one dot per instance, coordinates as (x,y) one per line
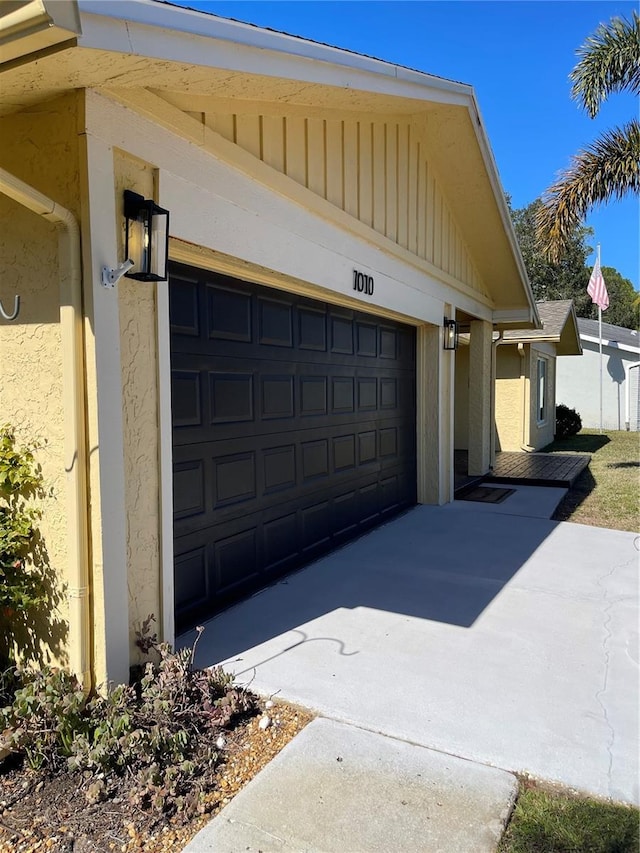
(450,334)
(147,238)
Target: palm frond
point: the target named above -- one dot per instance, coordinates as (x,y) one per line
(608,168)
(609,61)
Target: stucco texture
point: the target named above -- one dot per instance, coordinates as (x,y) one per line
(461,419)
(30,346)
(511,388)
(517,424)
(137,310)
(480,424)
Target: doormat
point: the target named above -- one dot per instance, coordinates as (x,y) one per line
(487,495)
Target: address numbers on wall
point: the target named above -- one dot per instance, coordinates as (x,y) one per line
(363,283)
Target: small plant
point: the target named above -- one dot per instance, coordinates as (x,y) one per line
(161,732)
(145,640)
(21,587)
(25,577)
(46,714)
(30,591)
(568,421)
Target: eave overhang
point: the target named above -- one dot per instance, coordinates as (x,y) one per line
(28,27)
(566,338)
(137,43)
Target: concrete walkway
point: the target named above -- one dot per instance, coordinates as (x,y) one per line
(498,637)
(338,789)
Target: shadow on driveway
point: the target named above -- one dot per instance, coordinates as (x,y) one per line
(435,566)
(502,639)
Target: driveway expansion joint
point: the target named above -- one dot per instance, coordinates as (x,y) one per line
(610,602)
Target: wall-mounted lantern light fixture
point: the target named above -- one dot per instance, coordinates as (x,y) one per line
(146,242)
(147,238)
(450,334)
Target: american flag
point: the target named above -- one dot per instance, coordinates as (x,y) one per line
(597,289)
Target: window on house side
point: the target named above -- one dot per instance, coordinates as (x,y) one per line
(542,390)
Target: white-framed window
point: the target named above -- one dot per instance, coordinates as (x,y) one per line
(541,397)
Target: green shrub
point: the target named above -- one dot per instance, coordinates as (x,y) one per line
(46,714)
(568,421)
(24,587)
(21,587)
(31,624)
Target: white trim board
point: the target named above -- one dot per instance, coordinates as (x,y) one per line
(107,446)
(269,228)
(612,344)
(159,112)
(165,463)
(186,35)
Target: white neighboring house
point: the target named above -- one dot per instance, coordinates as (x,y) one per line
(578,379)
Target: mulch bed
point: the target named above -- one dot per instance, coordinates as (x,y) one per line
(39,813)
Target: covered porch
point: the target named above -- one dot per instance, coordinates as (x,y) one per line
(532,469)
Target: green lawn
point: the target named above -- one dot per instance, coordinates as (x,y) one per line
(607,493)
(551,821)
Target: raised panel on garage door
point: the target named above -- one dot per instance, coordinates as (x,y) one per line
(293,431)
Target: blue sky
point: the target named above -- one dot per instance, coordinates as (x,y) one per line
(517,54)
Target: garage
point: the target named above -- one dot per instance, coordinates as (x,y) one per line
(294,430)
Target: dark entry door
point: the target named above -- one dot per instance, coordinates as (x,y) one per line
(294,428)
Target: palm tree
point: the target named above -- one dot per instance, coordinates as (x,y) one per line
(609,61)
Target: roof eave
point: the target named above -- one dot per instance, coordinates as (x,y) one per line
(567,340)
(570,335)
(150,29)
(35,26)
(184,35)
(501,201)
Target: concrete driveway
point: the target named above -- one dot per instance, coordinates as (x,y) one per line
(504,639)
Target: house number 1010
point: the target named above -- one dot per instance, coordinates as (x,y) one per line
(363,283)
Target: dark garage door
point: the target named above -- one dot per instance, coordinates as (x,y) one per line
(293,431)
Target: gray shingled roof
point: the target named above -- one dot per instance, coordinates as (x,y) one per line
(558,326)
(610,333)
(553,315)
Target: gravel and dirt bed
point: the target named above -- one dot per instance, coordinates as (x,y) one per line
(39,813)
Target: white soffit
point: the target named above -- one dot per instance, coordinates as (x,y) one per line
(180,34)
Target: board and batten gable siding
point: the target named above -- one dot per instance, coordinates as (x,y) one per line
(377,171)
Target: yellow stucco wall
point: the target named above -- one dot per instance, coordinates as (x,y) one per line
(461,402)
(509,398)
(44,147)
(30,347)
(516,397)
(137,310)
(480,377)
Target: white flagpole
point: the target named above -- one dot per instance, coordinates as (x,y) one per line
(600,337)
